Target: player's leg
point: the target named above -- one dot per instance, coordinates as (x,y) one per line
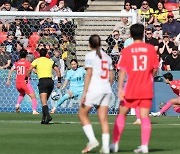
(45,88)
(87,127)
(102,111)
(138,120)
(19,100)
(174,101)
(31,93)
(61,101)
(119,126)
(145,126)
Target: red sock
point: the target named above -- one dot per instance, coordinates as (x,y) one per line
(118,128)
(145,130)
(166,107)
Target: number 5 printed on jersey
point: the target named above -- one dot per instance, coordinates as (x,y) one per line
(105,70)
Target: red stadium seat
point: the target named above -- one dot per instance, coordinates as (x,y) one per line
(3,36)
(33,39)
(171,6)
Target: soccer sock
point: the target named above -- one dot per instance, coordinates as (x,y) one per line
(118,128)
(62,99)
(105,141)
(34,104)
(20,98)
(88,130)
(137,113)
(46,111)
(166,107)
(145,131)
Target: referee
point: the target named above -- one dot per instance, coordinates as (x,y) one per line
(44,68)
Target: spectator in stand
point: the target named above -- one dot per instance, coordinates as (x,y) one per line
(25,6)
(151,40)
(5,21)
(10,42)
(21,30)
(146,14)
(165,47)
(15,54)
(66,24)
(172,61)
(128,9)
(5,57)
(41,6)
(115,45)
(69,50)
(39,47)
(50,50)
(47,38)
(123,28)
(172,26)
(161,13)
(158,34)
(57,58)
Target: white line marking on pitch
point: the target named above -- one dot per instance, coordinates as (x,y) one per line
(65,122)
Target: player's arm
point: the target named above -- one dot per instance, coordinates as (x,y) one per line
(86,83)
(29,71)
(58,73)
(65,84)
(122,74)
(111,76)
(9,76)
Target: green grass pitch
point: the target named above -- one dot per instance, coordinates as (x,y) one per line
(23,134)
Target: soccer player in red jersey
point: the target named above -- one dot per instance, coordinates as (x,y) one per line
(175,102)
(140,62)
(22,85)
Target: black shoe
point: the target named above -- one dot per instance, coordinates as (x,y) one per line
(43,122)
(47,120)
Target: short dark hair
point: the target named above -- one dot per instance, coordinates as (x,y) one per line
(43,52)
(137,31)
(23,53)
(75,60)
(168,76)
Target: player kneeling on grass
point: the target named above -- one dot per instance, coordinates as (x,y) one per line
(139,61)
(97,92)
(23,85)
(175,102)
(75,77)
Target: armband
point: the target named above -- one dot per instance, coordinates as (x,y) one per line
(59,79)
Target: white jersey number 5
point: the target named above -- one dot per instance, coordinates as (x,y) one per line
(140,63)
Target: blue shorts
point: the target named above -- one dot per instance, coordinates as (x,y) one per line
(76,92)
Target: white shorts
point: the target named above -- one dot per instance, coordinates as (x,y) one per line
(98,99)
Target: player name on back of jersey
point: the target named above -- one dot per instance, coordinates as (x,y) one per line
(135,50)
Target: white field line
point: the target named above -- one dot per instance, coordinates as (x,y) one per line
(66,122)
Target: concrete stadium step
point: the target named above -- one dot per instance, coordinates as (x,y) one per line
(86,38)
(103,8)
(96,2)
(90,32)
(91,27)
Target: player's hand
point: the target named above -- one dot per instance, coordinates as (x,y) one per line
(58,85)
(121,94)
(8,83)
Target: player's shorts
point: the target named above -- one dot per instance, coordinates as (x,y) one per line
(45,85)
(24,88)
(76,92)
(177,109)
(133,103)
(98,99)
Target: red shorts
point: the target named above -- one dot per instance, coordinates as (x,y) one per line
(24,88)
(133,103)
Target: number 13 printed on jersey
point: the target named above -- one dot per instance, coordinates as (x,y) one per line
(139,63)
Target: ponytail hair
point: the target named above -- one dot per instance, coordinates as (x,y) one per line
(95,43)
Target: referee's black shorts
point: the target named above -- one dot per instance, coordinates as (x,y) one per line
(45,85)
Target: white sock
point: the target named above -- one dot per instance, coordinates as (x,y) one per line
(138,120)
(105,141)
(88,130)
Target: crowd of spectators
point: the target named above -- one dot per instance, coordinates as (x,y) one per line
(161,30)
